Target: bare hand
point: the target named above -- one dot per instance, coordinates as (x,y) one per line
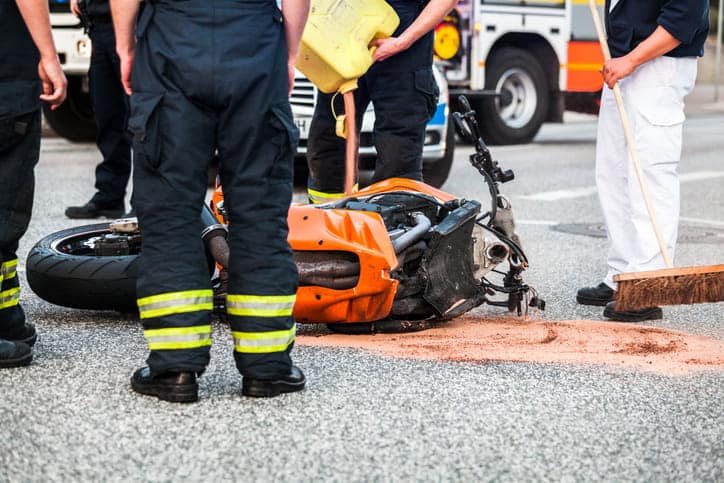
(387,47)
(617,69)
(74,8)
(126,60)
(55,84)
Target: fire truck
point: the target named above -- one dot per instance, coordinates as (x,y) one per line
(521,62)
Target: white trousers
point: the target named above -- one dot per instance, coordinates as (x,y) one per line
(654,100)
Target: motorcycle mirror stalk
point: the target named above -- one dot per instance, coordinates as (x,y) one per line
(468,124)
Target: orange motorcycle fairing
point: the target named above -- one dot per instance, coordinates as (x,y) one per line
(403,184)
(357,232)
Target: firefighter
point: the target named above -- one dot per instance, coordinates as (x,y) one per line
(654,46)
(29,72)
(110,109)
(206,76)
(404,94)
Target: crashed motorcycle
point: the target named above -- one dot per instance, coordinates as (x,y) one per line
(397,255)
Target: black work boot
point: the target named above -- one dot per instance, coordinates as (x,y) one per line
(292,382)
(25,334)
(14,354)
(94,210)
(599,295)
(651,313)
(170,386)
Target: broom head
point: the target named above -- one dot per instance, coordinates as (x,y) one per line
(670,286)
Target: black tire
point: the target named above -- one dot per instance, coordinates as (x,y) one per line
(387,326)
(82,281)
(516,116)
(74,118)
(436,172)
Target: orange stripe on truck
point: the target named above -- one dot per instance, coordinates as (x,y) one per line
(585,60)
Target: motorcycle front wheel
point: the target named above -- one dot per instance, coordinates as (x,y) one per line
(63,269)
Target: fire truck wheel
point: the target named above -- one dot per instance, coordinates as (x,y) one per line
(73,119)
(63,270)
(517,114)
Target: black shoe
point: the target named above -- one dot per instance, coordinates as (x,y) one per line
(651,313)
(599,295)
(292,382)
(171,386)
(93,210)
(25,334)
(14,354)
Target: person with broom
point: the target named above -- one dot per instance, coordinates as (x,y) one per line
(654,48)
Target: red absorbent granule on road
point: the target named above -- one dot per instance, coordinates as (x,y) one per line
(471,339)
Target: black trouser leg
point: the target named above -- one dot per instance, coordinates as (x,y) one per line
(110,107)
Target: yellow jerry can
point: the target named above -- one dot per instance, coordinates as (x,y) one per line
(334,48)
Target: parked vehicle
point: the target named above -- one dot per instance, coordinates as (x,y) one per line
(521,63)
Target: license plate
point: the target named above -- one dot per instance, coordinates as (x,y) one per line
(302,124)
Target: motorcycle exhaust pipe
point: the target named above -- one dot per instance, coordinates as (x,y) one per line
(214,235)
(421,225)
(496,252)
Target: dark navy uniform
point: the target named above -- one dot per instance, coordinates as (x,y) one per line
(212,75)
(404,95)
(19,151)
(110,108)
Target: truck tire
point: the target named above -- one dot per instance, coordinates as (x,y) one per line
(73,120)
(516,116)
(436,172)
(62,272)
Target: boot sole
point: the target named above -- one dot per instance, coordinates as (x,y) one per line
(183,394)
(110,214)
(619,317)
(18,362)
(583,300)
(256,388)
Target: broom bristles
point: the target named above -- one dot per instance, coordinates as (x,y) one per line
(672,286)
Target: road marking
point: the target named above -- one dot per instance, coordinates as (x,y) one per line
(591,190)
(537,222)
(561,194)
(702,221)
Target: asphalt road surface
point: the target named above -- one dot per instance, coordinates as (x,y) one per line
(72,416)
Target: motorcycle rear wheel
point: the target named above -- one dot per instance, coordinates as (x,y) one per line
(63,269)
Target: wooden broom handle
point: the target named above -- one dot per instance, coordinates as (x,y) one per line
(629,138)
(350,158)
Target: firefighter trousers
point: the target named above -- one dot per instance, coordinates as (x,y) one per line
(19,152)
(211,76)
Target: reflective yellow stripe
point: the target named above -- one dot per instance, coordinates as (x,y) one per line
(264,342)
(178,337)
(260,305)
(8,269)
(9,298)
(175,303)
(322,197)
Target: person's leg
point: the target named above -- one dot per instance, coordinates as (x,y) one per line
(110,108)
(256,157)
(404,102)
(658,114)
(326,150)
(174,138)
(19,152)
(612,183)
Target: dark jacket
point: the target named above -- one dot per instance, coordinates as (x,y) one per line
(98,10)
(632,21)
